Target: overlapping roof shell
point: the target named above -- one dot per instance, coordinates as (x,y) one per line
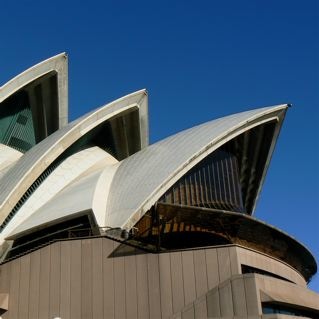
(122,190)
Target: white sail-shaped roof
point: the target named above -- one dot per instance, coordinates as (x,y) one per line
(56,64)
(137,182)
(142,178)
(17,180)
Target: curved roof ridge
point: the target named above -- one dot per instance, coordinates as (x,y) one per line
(30,74)
(262,109)
(58,64)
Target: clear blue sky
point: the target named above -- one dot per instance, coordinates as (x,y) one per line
(198,60)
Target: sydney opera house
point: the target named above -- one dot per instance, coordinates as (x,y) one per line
(97,223)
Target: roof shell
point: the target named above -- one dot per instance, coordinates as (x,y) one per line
(48,200)
(56,64)
(143,177)
(18,179)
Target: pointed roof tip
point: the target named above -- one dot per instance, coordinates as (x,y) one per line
(62,54)
(56,62)
(143,90)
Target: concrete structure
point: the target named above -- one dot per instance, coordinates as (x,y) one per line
(96,223)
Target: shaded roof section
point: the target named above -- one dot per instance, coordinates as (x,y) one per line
(47,190)
(85,193)
(70,202)
(144,177)
(120,114)
(47,86)
(245,231)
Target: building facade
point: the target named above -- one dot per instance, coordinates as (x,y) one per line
(97,223)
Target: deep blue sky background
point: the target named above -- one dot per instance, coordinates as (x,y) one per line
(198,60)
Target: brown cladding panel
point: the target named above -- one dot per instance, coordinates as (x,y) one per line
(55,269)
(212,268)
(165,285)
(97,278)
(154,287)
(189,276)
(5,279)
(44,282)
(130,287)
(34,285)
(189,313)
(76,285)
(83,279)
(226,300)
(108,278)
(239,297)
(5,283)
(24,286)
(119,287)
(252,297)
(200,272)
(177,281)
(235,266)
(142,286)
(14,289)
(200,308)
(86,279)
(224,264)
(5,275)
(213,304)
(65,287)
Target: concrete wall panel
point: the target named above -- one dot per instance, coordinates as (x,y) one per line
(65,286)
(130,287)
(154,286)
(239,297)
(5,277)
(97,278)
(264,262)
(24,286)
(213,304)
(252,297)
(86,279)
(100,278)
(119,287)
(212,268)
(189,312)
(226,300)
(44,297)
(108,279)
(142,286)
(200,272)
(235,266)
(76,276)
(55,274)
(34,285)
(200,308)
(189,276)
(166,285)
(177,281)
(224,264)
